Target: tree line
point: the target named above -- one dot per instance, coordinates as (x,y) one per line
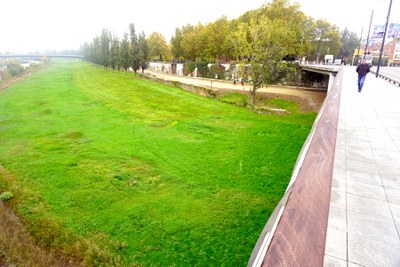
(111,52)
(233,40)
(225,40)
(261,41)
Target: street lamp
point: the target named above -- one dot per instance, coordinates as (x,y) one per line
(359,45)
(383,41)
(369,30)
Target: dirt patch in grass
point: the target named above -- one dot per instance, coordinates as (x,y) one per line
(17,248)
(8,83)
(4,84)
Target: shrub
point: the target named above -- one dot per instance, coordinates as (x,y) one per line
(384,61)
(15,68)
(202,68)
(188,68)
(217,72)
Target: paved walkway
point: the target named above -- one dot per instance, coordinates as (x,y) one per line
(228,85)
(364,218)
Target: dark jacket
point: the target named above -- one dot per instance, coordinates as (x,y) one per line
(363,69)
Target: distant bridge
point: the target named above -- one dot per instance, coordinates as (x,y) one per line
(40,56)
(323,69)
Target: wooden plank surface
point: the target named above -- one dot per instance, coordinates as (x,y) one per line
(300,235)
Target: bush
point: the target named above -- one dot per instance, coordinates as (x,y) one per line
(15,68)
(385,61)
(5,196)
(231,72)
(203,70)
(188,68)
(217,72)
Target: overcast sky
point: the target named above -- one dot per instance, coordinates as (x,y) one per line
(35,25)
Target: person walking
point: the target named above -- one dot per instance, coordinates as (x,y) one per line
(362,71)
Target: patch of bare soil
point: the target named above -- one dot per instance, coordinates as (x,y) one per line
(7,84)
(17,246)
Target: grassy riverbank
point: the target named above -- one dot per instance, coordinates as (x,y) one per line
(116,169)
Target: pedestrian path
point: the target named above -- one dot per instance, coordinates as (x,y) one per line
(364,218)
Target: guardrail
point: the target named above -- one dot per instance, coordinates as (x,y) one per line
(295,233)
(388,78)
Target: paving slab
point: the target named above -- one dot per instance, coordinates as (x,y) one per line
(364,177)
(395,208)
(391,182)
(372,241)
(336,243)
(364,219)
(331,261)
(366,190)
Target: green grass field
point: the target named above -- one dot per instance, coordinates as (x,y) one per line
(121,170)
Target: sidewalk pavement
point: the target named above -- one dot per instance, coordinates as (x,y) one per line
(364,219)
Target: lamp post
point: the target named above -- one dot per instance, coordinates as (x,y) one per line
(369,30)
(359,44)
(383,41)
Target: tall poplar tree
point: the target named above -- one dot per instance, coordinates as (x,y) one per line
(124,53)
(105,47)
(114,57)
(134,48)
(176,47)
(143,51)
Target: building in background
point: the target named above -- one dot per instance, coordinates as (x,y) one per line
(391,50)
(394,56)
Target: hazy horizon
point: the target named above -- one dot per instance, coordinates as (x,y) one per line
(30,26)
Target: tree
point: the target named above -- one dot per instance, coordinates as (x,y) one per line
(191,42)
(176,48)
(124,53)
(271,35)
(215,38)
(270,41)
(143,51)
(350,42)
(114,57)
(308,36)
(326,40)
(97,50)
(295,20)
(105,47)
(134,49)
(158,48)
(15,68)
(239,42)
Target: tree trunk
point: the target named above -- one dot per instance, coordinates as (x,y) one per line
(253,96)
